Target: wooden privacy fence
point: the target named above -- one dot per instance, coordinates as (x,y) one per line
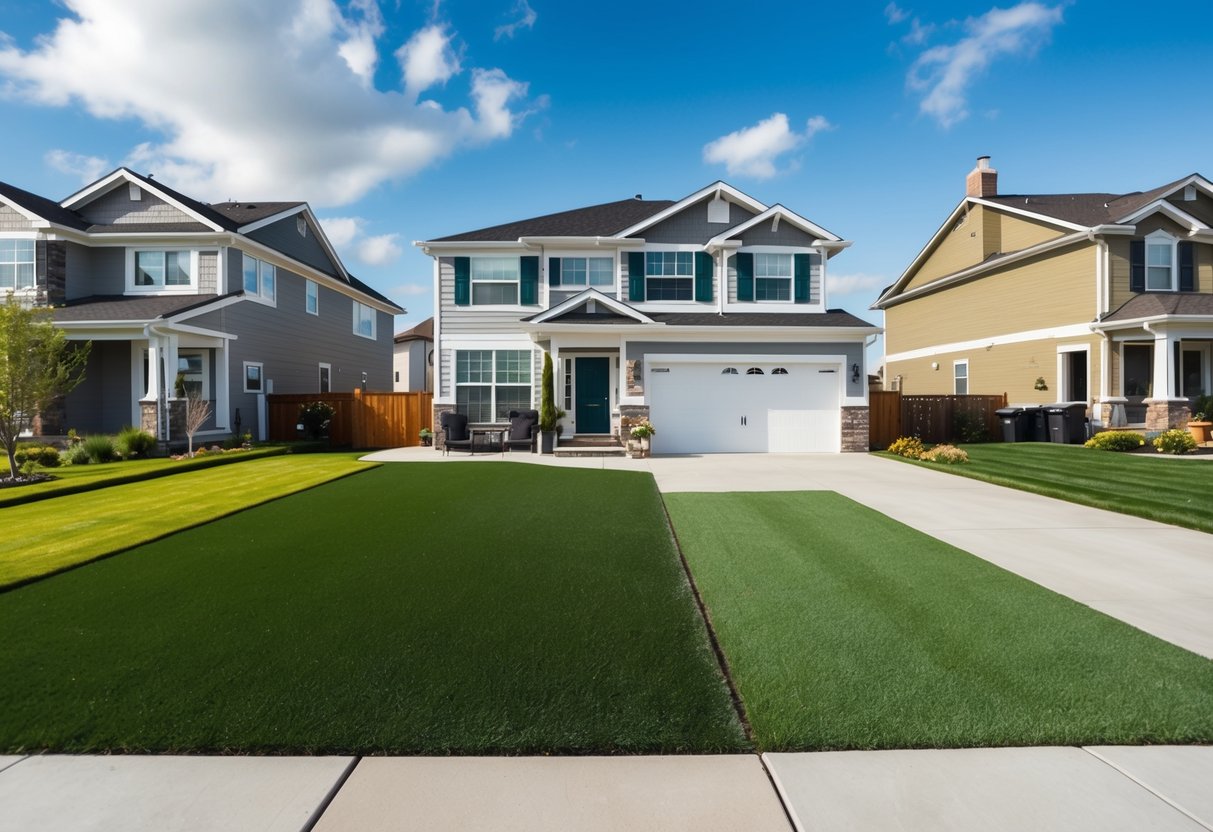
(933,418)
(360,420)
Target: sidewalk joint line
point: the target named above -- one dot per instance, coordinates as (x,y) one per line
(331,796)
(784,802)
(1145,786)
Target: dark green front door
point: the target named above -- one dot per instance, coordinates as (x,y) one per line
(592,400)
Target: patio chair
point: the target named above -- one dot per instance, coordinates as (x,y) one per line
(524,426)
(455,432)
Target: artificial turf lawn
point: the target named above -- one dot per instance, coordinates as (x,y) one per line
(1155,487)
(412,609)
(51,535)
(847,630)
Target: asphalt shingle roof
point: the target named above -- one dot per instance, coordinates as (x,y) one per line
(243,213)
(127,308)
(423,331)
(594,221)
(43,207)
(1154,304)
(1085,209)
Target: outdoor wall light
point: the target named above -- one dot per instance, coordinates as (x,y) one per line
(855,372)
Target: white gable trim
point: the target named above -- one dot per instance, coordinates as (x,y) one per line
(585,295)
(775,213)
(999,206)
(715,189)
(306,210)
(39,222)
(270,220)
(1162,206)
(106,184)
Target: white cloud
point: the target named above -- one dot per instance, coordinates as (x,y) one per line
(87,168)
(844,284)
(945,73)
(410,289)
(341,231)
(918,33)
(894,14)
(285,107)
(754,151)
(526,20)
(379,250)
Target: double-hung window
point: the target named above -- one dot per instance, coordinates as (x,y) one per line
(192,372)
(669,275)
(163,270)
(364,320)
(491,383)
(312,304)
(16,265)
(494,280)
(260,279)
(773,277)
(587,271)
(1160,260)
(960,377)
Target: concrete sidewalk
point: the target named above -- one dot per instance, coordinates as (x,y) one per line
(1162,788)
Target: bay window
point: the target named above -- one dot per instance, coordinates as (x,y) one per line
(491,383)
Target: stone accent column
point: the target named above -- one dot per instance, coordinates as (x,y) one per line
(56,273)
(147,418)
(439,433)
(1164,414)
(176,420)
(1111,411)
(630,414)
(50,421)
(635,379)
(855,429)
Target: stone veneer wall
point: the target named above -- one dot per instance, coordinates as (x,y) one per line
(630,414)
(1165,415)
(855,433)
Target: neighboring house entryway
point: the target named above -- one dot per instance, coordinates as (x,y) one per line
(593,395)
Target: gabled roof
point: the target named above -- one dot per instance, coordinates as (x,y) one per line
(424,331)
(718,188)
(569,310)
(32,204)
(604,220)
(198,210)
(129,308)
(777,211)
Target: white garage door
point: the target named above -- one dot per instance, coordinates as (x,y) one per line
(780,406)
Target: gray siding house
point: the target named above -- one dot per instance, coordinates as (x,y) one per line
(231,300)
(707,315)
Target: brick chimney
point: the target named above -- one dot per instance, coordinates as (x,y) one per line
(982,180)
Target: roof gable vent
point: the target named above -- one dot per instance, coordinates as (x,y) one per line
(1189,193)
(718,211)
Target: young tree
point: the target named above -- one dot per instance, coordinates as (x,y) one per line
(197,411)
(37,365)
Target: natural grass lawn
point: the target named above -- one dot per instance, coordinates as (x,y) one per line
(847,630)
(50,535)
(412,609)
(1156,487)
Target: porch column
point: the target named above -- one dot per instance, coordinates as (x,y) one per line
(222,416)
(170,366)
(153,371)
(1164,365)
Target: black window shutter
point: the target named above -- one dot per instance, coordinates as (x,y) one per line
(528,285)
(745,276)
(463,281)
(1187,270)
(636,276)
(1137,265)
(801,271)
(553,271)
(703,277)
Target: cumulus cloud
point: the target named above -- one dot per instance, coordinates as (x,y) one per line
(348,234)
(894,14)
(284,106)
(845,284)
(526,20)
(944,74)
(86,168)
(341,231)
(379,250)
(755,151)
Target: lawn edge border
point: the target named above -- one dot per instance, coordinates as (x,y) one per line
(23,582)
(722,661)
(324,804)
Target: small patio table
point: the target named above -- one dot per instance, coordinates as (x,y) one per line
(488,430)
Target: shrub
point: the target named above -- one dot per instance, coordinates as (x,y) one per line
(908,446)
(947,454)
(1175,442)
(1203,407)
(77,454)
(99,448)
(44,455)
(969,428)
(315,417)
(133,443)
(1115,440)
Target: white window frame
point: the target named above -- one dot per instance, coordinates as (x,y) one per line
(791,260)
(689,277)
(358,307)
(320,377)
(515,281)
(956,365)
(262,268)
(494,384)
(132,253)
(33,287)
(587,285)
(311,293)
(1159,240)
(206,369)
(260,372)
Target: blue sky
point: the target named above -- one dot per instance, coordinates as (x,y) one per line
(409,120)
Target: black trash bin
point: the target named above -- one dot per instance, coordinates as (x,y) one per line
(1040,425)
(1067,422)
(1017,423)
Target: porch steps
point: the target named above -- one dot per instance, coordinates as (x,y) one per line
(590,446)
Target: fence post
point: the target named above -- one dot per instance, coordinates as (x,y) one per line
(356,427)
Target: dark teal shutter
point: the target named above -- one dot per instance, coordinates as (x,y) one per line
(745,276)
(553,271)
(1187,272)
(703,277)
(802,270)
(463,281)
(528,284)
(636,276)
(1137,266)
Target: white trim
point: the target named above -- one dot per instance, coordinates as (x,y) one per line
(1069,331)
(102,187)
(244,383)
(614,388)
(23,211)
(716,188)
(190,288)
(596,295)
(1160,239)
(311,289)
(955,378)
(273,218)
(776,212)
(999,206)
(576,254)
(1162,206)
(488,342)
(1063,378)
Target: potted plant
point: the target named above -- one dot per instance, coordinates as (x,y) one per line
(642,432)
(427,437)
(548,418)
(1200,425)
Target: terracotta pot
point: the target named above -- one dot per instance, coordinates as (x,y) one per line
(1200,431)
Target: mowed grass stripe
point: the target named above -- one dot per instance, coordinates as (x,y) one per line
(47,536)
(847,630)
(413,609)
(1174,491)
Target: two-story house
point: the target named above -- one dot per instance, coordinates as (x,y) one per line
(230,301)
(707,315)
(1095,297)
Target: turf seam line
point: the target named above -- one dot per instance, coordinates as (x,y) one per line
(721,660)
(780,795)
(1145,786)
(331,796)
